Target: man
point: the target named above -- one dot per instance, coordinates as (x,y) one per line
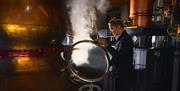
(121,51)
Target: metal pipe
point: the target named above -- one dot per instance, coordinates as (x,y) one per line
(140,12)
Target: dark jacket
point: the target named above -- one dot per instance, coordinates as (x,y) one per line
(122,54)
(122,63)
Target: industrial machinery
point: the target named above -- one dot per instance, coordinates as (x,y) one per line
(29,32)
(155,42)
(88,63)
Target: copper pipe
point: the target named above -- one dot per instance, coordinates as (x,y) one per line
(140,12)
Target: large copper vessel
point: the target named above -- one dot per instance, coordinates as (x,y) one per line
(32,25)
(140,12)
(29,24)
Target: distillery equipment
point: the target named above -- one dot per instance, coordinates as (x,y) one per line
(88,64)
(154,44)
(31,30)
(29,24)
(90,67)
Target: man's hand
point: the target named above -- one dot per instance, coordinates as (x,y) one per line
(103,41)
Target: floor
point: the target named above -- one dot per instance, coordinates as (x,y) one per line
(34,74)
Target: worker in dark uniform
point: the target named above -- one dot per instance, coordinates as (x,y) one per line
(121,51)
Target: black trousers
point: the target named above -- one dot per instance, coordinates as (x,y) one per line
(109,82)
(117,82)
(122,84)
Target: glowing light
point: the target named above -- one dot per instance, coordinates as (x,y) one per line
(178,28)
(24,64)
(11,28)
(28,8)
(153,39)
(20,46)
(23,60)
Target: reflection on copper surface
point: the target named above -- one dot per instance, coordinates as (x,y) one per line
(14,29)
(22,60)
(20,46)
(23,64)
(31,24)
(178,29)
(140,12)
(29,64)
(22,36)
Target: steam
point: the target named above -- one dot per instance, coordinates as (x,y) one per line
(83,16)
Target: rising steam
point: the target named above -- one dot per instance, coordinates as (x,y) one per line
(83,16)
(83,19)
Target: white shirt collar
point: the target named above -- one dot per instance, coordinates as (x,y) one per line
(117,36)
